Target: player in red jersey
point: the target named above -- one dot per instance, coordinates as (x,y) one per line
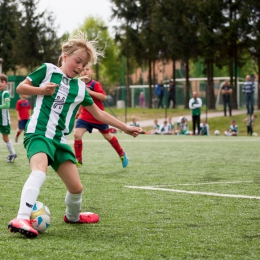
(23,113)
(86,122)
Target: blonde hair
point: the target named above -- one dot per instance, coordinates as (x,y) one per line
(80,41)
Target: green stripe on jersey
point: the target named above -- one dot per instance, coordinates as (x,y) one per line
(54,115)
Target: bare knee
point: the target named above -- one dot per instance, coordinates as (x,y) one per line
(6,138)
(76,189)
(78,133)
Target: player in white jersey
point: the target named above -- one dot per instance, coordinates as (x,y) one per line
(59,96)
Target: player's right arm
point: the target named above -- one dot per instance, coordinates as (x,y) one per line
(27,88)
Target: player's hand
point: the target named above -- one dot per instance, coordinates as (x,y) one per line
(49,89)
(133,130)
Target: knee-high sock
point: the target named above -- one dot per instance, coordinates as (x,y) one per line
(10,147)
(31,190)
(114,142)
(78,146)
(73,206)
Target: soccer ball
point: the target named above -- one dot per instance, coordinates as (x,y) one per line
(216,132)
(40,217)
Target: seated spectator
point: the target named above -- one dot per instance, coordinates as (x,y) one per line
(170,126)
(156,127)
(204,128)
(163,130)
(233,129)
(134,123)
(182,128)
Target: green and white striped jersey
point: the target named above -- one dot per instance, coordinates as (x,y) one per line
(4,113)
(53,116)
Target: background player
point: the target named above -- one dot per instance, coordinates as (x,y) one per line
(86,121)
(23,113)
(5,122)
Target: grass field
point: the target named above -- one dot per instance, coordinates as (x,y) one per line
(187,197)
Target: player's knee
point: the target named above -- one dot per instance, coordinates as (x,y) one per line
(78,189)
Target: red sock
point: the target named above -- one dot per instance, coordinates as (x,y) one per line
(78,149)
(114,142)
(18,132)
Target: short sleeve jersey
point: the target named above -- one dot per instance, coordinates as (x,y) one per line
(84,114)
(23,107)
(54,115)
(4,113)
(226,88)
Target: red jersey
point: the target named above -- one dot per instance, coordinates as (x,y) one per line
(84,114)
(23,107)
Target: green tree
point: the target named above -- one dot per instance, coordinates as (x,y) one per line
(108,67)
(39,41)
(8,33)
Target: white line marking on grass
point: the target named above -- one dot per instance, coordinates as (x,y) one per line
(175,140)
(205,183)
(194,192)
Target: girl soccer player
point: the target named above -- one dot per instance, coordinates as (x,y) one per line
(59,96)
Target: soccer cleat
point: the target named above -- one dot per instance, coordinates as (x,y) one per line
(84,218)
(22,226)
(78,164)
(124,160)
(11,158)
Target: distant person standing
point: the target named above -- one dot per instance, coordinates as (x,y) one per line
(226,93)
(171,94)
(142,100)
(195,104)
(159,92)
(248,90)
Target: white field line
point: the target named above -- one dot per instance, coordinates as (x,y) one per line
(194,192)
(175,140)
(205,183)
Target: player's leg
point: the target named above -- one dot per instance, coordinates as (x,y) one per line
(30,192)
(80,128)
(19,130)
(116,145)
(9,145)
(68,172)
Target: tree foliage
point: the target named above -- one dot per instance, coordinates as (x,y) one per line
(28,38)
(218,32)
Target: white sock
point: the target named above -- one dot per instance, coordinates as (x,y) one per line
(73,206)
(31,190)
(10,147)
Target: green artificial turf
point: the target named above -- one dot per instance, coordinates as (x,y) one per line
(146,210)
